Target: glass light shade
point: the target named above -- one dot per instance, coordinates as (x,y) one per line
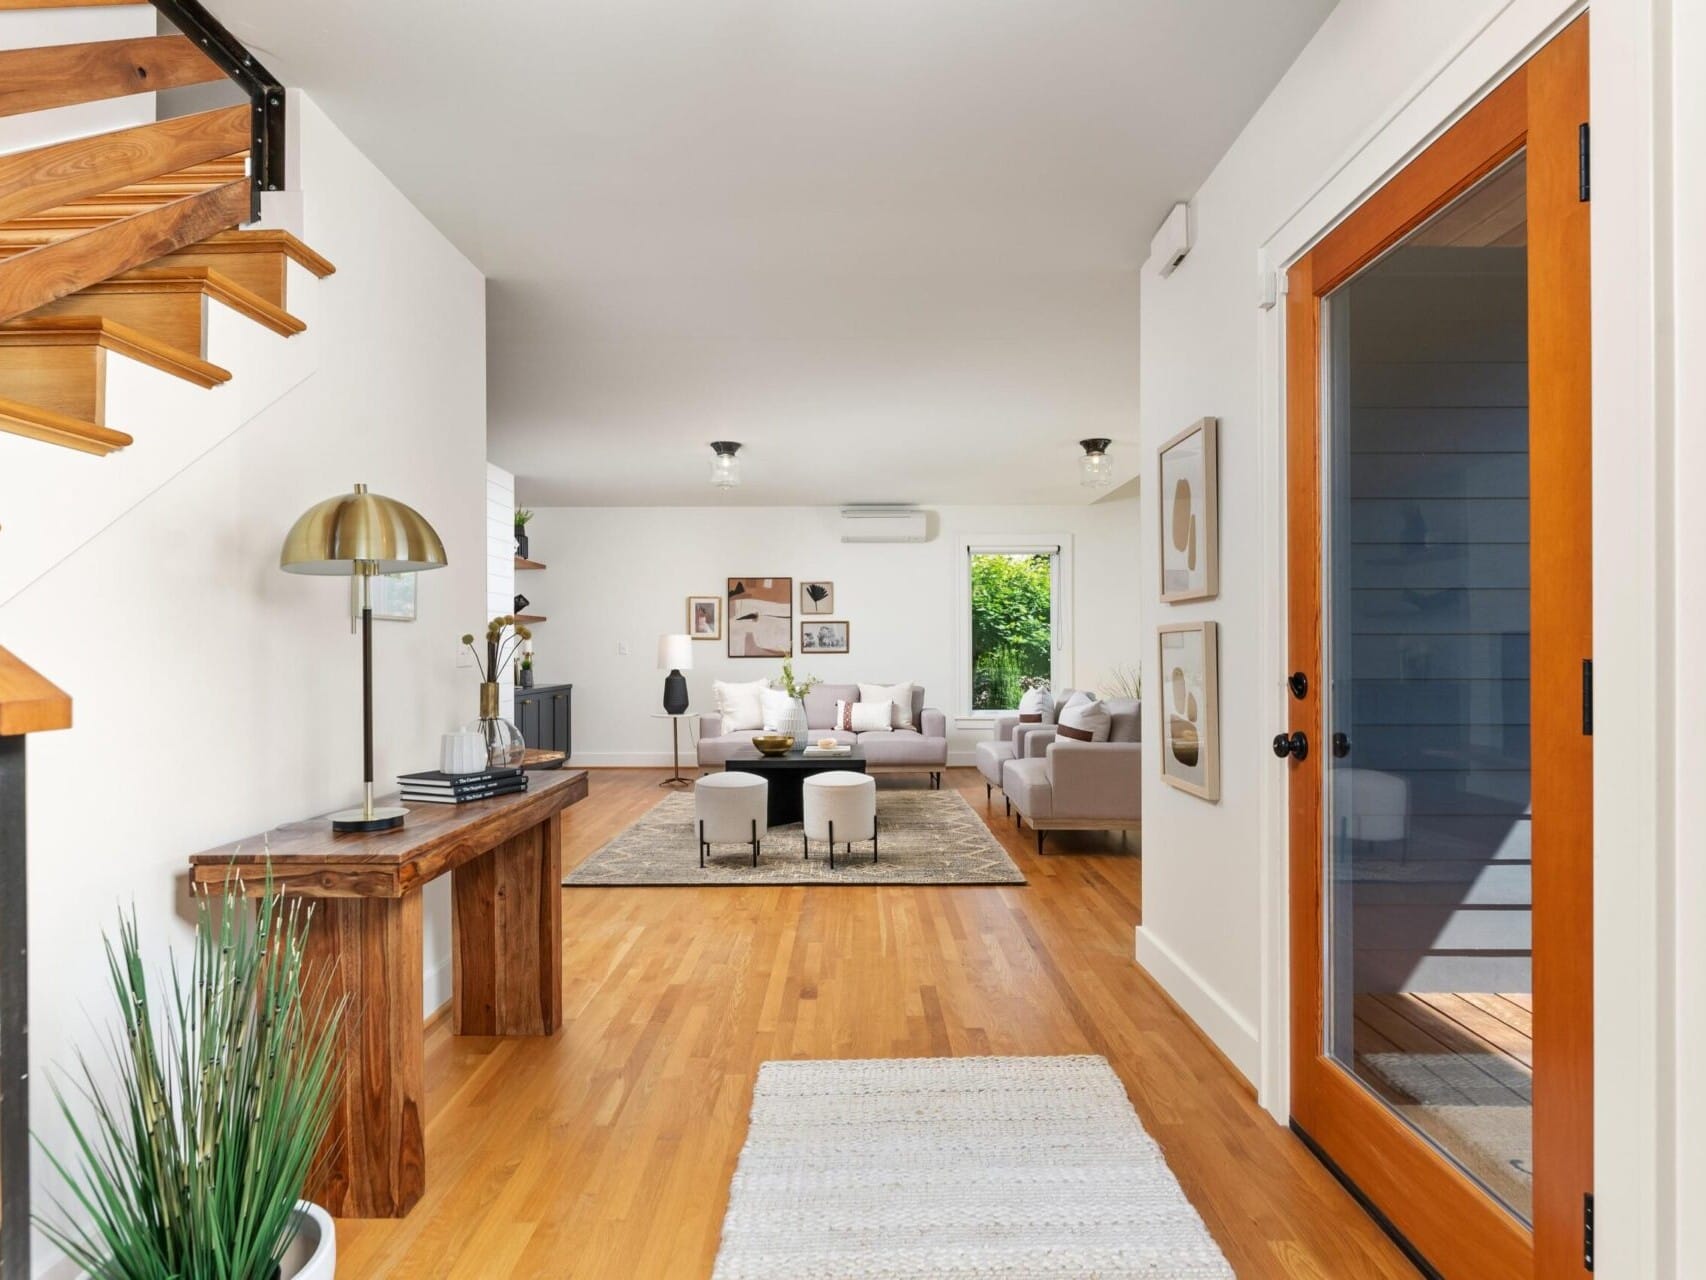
(725,466)
(1095,470)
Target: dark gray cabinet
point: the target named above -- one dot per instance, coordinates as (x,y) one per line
(542,715)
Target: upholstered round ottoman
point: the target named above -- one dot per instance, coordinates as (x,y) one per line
(730,809)
(840,806)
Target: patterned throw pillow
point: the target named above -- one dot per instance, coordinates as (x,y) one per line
(844,716)
(1086,721)
(898,695)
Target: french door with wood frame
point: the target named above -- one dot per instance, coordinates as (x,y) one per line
(1439,549)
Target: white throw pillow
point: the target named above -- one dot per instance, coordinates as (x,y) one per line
(899,696)
(844,716)
(1086,721)
(1036,707)
(778,708)
(872,717)
(740,705)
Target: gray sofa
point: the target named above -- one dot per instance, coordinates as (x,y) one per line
(921,750)
(1062,785)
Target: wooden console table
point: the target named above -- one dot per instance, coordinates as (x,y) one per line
(504,857)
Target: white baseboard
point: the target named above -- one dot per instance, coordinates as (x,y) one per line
(1218,1020)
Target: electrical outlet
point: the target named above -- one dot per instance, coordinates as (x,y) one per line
(621,648)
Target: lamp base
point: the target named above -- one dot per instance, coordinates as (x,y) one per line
(674,693)
(385,817)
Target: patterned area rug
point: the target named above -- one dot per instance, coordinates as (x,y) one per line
(955,1167)
(928,837)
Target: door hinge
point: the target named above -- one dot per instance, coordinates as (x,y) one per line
(1583,163)
(1587,697)
(1587,1231)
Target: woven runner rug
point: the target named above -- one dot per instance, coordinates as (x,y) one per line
(895,1168)
(928,837)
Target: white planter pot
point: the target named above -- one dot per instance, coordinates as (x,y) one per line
(313,1255)
(794,721)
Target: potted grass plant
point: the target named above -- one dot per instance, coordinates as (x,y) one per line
(192,1153)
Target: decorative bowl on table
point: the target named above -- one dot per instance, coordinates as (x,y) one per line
(773,744)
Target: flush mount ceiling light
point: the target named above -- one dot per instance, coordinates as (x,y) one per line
(725,467)
(1095,470)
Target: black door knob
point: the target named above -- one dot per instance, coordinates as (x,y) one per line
(1341,746)
(1299,685)
(1295,745)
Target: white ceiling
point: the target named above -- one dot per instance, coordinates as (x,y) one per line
(892,246)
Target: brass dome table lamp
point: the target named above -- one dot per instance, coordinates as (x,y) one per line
(361,534)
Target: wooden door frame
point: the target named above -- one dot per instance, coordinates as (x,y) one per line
(1458,1227)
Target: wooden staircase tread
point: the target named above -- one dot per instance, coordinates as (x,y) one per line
(29,701)
(36,423)
(266,240)
(118,338)
(203,280)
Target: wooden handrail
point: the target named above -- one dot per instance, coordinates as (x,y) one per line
(31,181)
(60,75)
(29,702)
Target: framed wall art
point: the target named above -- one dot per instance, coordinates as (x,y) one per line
(1190,707)
(823,637)
(1190,513)
(817,597)
(761,617)
(705,617)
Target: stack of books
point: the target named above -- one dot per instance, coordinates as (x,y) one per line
(433,787)
(815,752)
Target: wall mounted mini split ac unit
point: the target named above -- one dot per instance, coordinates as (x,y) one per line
(1170,245)
(883,524)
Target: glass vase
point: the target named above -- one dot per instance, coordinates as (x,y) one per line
(504,743)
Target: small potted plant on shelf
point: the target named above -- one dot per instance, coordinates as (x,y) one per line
(522,516)
(193,1163)
(524,674)
(796,689)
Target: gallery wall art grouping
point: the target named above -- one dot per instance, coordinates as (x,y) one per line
(757,616)
(1188,471)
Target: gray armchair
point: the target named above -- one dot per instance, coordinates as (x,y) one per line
(1006,743)
(1059,784)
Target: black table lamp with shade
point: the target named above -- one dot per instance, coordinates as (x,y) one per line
(675,655)
(362,534)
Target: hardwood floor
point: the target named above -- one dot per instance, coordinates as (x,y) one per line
(606,1150)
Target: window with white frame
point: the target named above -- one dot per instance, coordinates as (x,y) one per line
(1013,620)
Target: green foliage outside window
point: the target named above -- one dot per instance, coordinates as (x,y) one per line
(1012,632)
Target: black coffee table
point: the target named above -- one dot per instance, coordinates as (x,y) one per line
(787,776)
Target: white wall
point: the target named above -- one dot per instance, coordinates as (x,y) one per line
(1380,79)
(214,695)
(622,575)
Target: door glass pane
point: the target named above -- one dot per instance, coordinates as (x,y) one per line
(1426,456)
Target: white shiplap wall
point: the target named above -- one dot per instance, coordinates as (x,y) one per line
(500,561)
